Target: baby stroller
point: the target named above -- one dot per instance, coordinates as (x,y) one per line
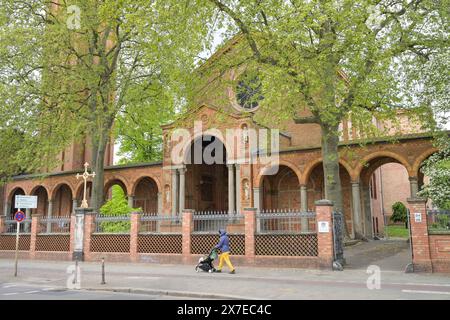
(205,263)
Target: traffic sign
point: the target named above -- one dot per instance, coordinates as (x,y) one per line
(26,202)
(19,216)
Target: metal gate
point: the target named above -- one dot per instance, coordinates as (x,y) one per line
(338,237)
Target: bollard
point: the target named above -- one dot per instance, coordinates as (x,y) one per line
(75,279)
(103,271)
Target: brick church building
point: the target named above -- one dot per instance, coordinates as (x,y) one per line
(167,188)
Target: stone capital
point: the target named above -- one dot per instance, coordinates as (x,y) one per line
(324,202)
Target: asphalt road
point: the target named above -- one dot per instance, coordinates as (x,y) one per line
(24,291)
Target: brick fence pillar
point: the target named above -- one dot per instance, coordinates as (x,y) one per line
(35,229)
(250,229)
(134,234)
(2,224)
(419,235)
(325,246)
(73,221)
(187,228)
(89,228)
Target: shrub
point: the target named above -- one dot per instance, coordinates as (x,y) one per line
(399,213)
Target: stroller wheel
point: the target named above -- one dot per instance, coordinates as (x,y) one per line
(196,269)
(210,270)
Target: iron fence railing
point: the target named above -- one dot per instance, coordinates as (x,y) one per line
(152,223)
(11,226)
(285,222)
(438,220)
(213,221)
(112,224)
(52,225)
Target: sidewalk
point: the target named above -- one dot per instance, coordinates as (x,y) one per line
(247,283)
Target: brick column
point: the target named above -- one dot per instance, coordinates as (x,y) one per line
(73,221)
(419,235)
(35,220)
(2,224)
(187,228)
(89,228)
(325,246)
(134,234)
(250,229)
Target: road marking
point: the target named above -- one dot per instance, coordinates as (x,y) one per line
(426,292)
(10,294)
(29,292)
(147,278)
(48,289)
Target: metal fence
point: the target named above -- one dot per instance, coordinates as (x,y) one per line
(11,226)
(285,222)
(438,220)
(59,224)
(153,223)
(212,221)
(112,224)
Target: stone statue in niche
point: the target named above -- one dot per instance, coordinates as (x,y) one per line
(167,194)
(246,190)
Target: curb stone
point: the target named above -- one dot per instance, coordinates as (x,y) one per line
(174,293)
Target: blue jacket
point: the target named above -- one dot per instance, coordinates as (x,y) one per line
(224,242)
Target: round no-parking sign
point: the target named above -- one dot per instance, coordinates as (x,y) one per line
(19,216)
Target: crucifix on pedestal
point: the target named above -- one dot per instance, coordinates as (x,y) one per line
(85,176)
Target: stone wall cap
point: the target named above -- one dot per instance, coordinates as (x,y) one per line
(250,209)
(188,210)
(416,200)
(324,202)
(136,212)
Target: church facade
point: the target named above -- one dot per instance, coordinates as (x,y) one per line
(242,177)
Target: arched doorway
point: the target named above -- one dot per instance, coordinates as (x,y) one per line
(110,184)
(316,191)
(62,201)
(206,187)
(281,191)
(146,196)
(12,200)
(42,201)
(383,182)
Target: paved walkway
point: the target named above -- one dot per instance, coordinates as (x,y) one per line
(247,283)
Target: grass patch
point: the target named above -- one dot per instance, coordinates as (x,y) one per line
(396,231)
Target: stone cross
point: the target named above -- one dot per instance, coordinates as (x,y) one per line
(85,176)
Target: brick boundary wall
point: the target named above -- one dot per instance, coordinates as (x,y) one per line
(431,252)
(323,260)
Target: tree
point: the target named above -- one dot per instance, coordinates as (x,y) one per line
(399,213)
(321,62)
(67,71)
(138,130)
(437,168)
(117,206)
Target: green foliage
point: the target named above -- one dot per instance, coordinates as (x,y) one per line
(117,206)
(399,212)
(437,168)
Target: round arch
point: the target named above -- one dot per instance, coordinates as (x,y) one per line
(42,202)
(309,169)
(381,154)
(420,159)
(140,179)
(285,163)
(187,148)
(52,193)
(15,191)
(115,180)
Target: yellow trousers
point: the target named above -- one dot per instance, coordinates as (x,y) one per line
(225,257)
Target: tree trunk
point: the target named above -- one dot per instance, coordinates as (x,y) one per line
(98,159)
(332,179)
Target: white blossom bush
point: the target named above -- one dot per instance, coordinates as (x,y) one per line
(437,168)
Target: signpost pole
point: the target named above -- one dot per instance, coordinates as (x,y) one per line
(17,248)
